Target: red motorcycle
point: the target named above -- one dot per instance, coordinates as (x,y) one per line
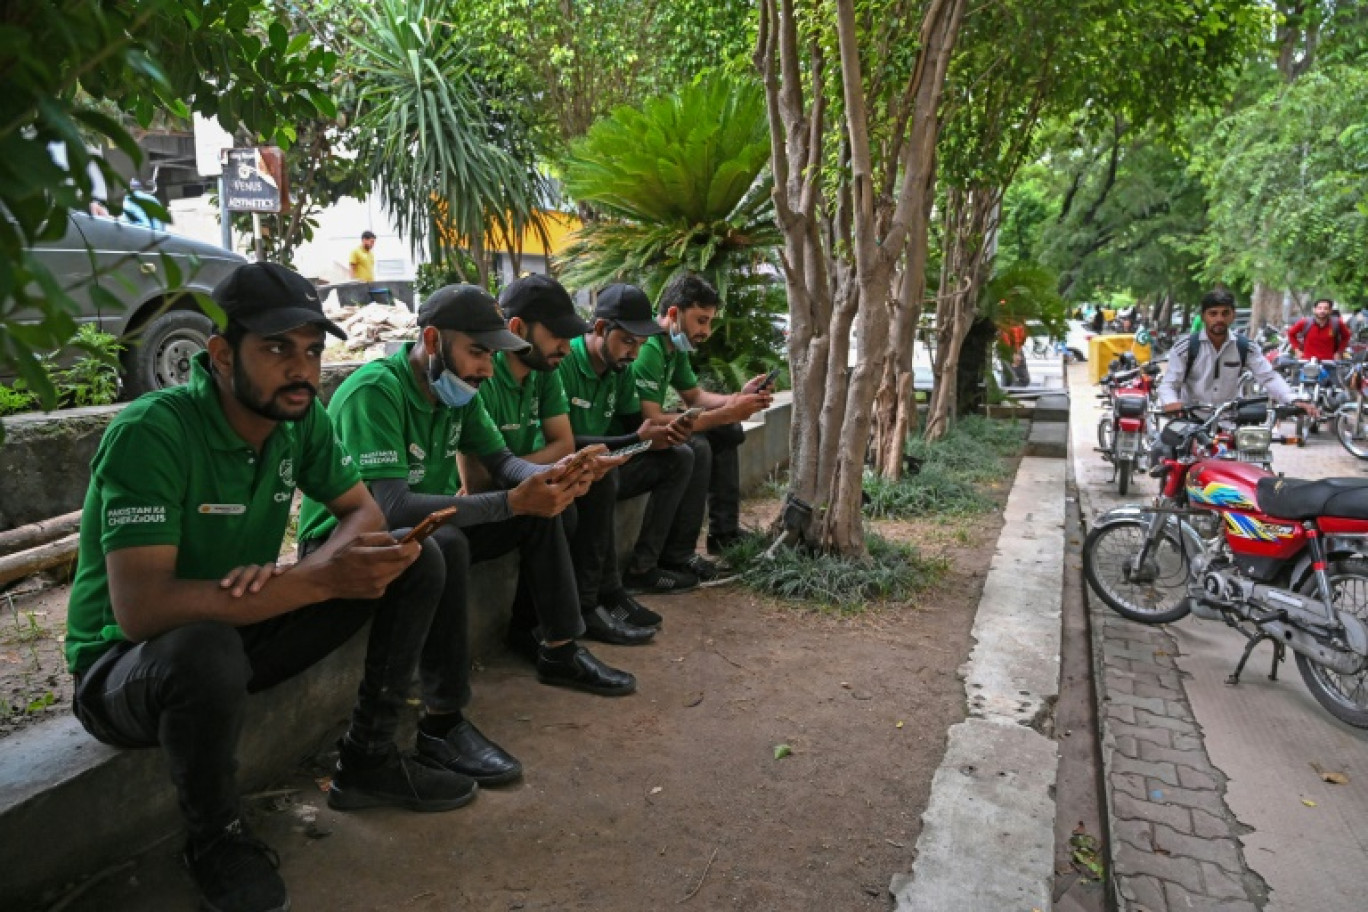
(1278,559)
(1124,431)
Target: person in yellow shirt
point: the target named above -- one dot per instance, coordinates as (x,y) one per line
(362,259)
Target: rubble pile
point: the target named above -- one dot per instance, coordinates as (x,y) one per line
(369,328)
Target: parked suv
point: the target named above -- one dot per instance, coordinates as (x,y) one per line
(161,327)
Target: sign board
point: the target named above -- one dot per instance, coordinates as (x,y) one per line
(254,180)
(210,141)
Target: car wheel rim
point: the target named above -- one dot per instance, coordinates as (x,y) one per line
(175,356)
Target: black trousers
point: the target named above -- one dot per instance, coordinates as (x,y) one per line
(186,690)
(677,481)
(724,482)
(546,596)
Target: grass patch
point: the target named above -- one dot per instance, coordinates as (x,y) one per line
(952,471)
(892,572)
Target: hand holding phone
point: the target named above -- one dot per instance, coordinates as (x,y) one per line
(768,382)
(691,414)
(631,449)
(572,465)
(428,525)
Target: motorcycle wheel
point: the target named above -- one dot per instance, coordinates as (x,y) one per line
(1104,433)
(1107,553)
(1344,696)
(1123,476)
(1300,424)
(1345,421)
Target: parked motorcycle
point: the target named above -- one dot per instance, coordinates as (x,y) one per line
(1351,424)
(1124,432)
(1278,559)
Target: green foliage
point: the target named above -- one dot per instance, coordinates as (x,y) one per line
(67,67)
(746,339)
(892,572)
(452,162)
(92,379)
(952,471)
(458,267)
(1024,292)
(678,183)
(1286,183)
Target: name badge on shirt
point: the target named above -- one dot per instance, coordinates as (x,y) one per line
(223,509)
(581,403)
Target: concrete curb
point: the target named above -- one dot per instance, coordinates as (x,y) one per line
(992,804)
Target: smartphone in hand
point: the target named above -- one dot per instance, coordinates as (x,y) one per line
(768,381)
(576,461)
(631,449)
(428,525)
(691,413)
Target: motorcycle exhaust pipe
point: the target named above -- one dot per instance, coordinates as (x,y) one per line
(1339,661)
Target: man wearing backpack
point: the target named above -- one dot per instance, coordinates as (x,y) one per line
(1321,336)
(1204,368)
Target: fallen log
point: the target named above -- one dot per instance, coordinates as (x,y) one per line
(27,563)
(22,538)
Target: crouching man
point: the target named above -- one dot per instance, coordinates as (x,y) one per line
(179,609)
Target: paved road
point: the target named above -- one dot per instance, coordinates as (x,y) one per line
(1214,792)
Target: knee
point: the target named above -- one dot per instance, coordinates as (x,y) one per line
(701,448)
(451,547)
(205,661)
(686,454)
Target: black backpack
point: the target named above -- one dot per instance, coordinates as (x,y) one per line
(1195,340)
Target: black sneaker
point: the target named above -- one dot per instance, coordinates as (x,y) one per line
(236,872)
(658,581)
(708,573)
(415,783)
(625,608)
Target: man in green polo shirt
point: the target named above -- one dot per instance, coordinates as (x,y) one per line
(687,307)
(405,419)
(602,397)
(179,609)
(526,400)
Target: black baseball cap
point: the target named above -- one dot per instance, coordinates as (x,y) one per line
(629,308)
(268,298)
(541,299)
(471,310)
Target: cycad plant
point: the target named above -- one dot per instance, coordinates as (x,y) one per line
(677,184)
(454,162)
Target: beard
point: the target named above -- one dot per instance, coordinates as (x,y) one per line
(254,400)
(537,361)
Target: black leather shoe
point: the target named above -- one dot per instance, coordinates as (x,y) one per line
(581,671)
(603,626)
(467,751)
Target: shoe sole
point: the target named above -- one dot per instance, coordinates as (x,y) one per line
(588,688)
(720,581)
(354,800)
(614,641)
(641,590)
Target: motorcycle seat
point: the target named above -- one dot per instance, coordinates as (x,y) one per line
(1296,498)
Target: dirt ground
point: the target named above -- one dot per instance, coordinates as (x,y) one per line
(673,796)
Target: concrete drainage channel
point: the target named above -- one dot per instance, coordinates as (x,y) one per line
(987,839)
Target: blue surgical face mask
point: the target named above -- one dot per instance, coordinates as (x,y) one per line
(450,390)
(679,339)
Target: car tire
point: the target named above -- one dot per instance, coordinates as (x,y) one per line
(163,349)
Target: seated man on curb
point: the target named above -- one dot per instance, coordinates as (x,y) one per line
(526,400)
(687,308)
(179,610)
(405,418)
(600,391)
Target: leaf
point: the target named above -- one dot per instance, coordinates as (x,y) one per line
(1327,776)
(781,751)
(1308,802)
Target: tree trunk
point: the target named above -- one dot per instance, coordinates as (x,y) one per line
(838,259)
(1265,307)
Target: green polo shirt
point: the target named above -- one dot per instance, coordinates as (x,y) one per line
(171,471)
(395,431)
(658,367)
(519,409)
(595,401)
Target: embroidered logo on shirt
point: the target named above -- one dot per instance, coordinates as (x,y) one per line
(125,516)
(379,457)
(580,403)
(417,452)
(510,427)
(647,384)
(287,472)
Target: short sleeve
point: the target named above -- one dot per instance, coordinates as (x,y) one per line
(684,377)
(328,469)
(553,401)
(142,486)
(648,375)
(369,424)
(479,434)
